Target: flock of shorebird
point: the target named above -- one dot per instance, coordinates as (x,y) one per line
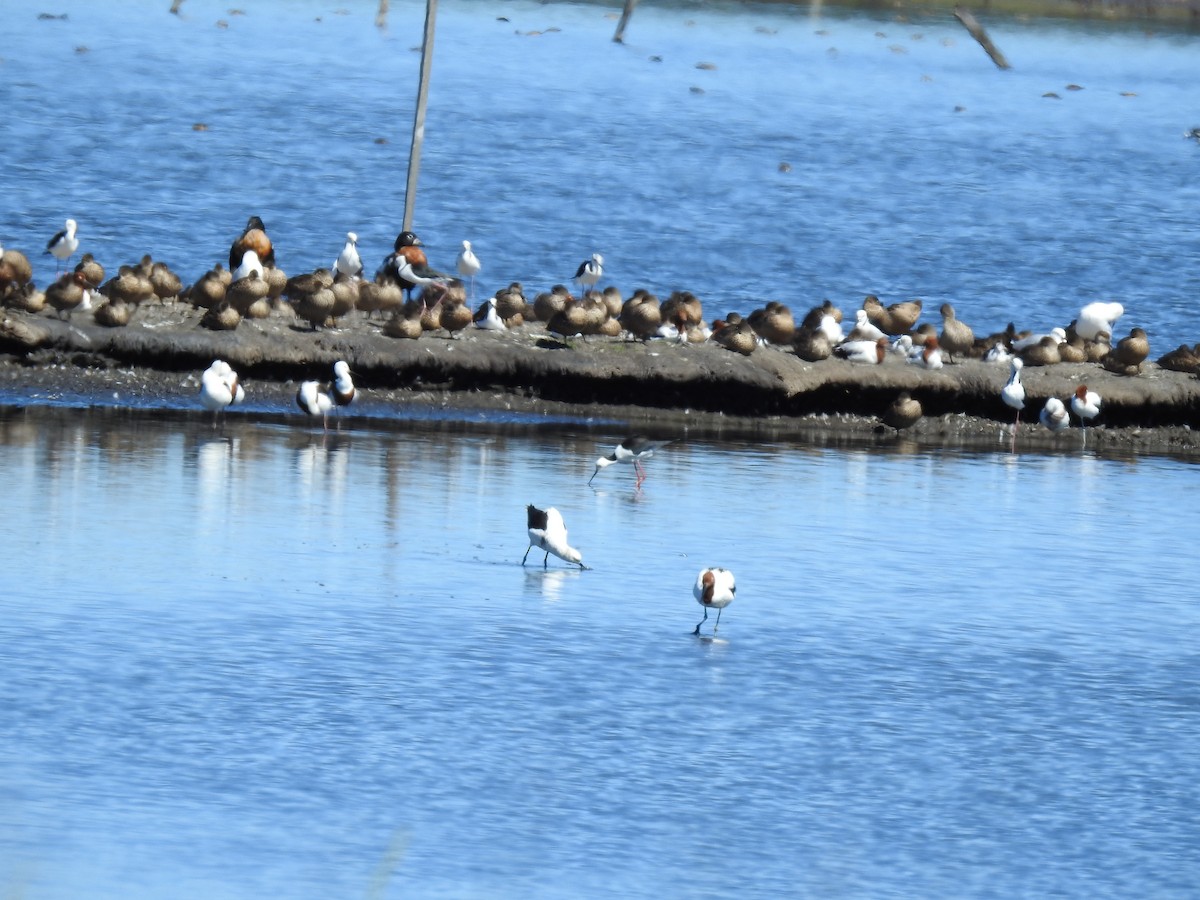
(254,287)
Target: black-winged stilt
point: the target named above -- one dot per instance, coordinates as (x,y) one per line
(631,450)
(64,243)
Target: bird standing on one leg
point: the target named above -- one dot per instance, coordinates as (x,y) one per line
(714,589)
(342,391)
(469,266)
(548,532)
(1086,405)
(220,388)
(1013,394)
(314,401)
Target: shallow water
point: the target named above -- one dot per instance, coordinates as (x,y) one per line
(918,168)
(265,660)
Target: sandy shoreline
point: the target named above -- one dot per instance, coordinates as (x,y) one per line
(658,386)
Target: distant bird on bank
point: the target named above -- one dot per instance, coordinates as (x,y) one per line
(1013,395)
(871,352)
(589,273)
(253,237)
(956,338)
(904,412)
(348,262)
(468,266)
(64,244)
(488,318)
(1086,405)
(714,589)
(314,401)
(220,388)
(1098,318)
(409,265)
(342,392)
(929,356)
(631,450)
(548,532)
(1054,415)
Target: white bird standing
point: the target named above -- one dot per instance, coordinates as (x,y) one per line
(220,388)
(64,243)
(548,532)
(714,589)
(1054,415)
(589,272)
(314,401)
(348,262)
(468,265)
(631,450)
(1013,395)
(342,391)
(1085,404)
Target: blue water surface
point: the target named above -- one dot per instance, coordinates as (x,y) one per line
(265,660)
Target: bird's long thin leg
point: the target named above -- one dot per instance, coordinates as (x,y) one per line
(718,625)
(526,556)
(701,622)
(1084,434)
(1016,425)
(546,561)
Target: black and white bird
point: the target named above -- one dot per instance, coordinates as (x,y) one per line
(631,450)
(589,273)
(314,401)
(348,262)
(1085,404)
(714,589)
(1054,415)
(1013,395)
(342,391)
(64,244)
(548,532)
(411,275)
(220,388)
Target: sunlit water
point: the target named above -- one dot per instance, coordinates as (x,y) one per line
(917,167)
(262,661)
(265,661)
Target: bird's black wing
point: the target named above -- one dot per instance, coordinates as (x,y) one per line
(54,240)
(537,517)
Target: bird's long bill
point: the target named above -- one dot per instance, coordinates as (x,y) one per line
(594,471)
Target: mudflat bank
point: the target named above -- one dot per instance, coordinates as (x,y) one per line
(657,385)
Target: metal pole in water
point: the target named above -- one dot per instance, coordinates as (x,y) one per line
(619,37)
(418,135)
